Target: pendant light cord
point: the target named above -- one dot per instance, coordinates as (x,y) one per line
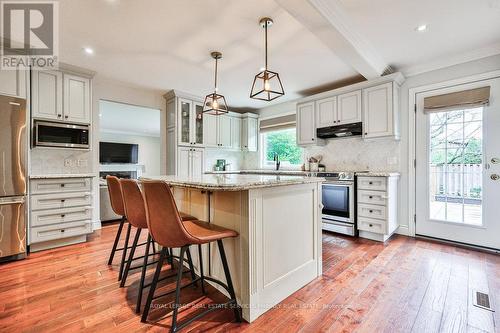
(265,28)
(215,84)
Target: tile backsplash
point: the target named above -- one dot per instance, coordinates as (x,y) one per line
(46,161)
(357,154)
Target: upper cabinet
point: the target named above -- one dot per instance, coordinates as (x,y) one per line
(217,131)
(190,122)
(13,82)
(306,124)
(379,105)
(61,96)
(236,133)
(349,108)
(374,103)
(250,132)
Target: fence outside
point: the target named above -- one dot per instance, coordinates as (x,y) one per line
(454,182)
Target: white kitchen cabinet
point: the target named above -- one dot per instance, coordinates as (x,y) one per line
(47,94)
(349,108)
(61,96)
(210,134)
(306,125)
(191,162)
(13,82)
(76,99)
(249,133)
(377,206)
(379,104)
(236,133)
(191,123)
(326,112)
(61,212)
(224,131)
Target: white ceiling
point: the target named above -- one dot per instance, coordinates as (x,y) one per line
(165,44)
(128,119)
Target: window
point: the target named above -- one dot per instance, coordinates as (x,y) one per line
(282,142)
(456,164)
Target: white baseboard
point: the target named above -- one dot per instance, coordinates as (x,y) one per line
(96,225)
(403,230)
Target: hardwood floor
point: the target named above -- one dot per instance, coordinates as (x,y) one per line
(406,285)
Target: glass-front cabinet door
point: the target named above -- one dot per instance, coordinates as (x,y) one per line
(185,108)
(198,124)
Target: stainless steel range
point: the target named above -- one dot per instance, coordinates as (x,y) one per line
(339,202)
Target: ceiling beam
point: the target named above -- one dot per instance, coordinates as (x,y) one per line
(328,21)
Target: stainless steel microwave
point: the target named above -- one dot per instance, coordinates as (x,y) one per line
(63,135)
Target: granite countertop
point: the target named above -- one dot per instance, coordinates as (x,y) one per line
(378,174)
(234,182)
(63,175)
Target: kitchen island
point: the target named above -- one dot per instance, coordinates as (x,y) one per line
(278,219)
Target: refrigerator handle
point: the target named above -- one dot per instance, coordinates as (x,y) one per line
(11,201)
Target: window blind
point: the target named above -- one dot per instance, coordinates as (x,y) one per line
(458,100)
(278,123)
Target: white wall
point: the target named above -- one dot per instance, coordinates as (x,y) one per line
(149,148)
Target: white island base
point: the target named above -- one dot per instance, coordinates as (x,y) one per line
(278,250)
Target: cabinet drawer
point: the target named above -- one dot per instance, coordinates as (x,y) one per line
(47,233)
(372,183)
(60,185)
(372,211)
(60,200)
(372,197)
(376,226)
(55,216)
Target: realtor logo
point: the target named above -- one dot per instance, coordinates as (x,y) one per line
(29,33)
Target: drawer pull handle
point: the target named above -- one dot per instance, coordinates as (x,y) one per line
(371,197)
(371,225)
(62,230)
(371,211)
(62,185)
(371,183)
(63,200)
(63,215)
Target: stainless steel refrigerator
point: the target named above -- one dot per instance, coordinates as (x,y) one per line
(13,149)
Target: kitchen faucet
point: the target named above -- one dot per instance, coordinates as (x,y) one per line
(277,161)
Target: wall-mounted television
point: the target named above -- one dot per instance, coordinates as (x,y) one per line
(118,153)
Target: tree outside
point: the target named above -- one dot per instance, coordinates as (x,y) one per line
(285,145)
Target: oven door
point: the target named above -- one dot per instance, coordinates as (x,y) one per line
(338,201)
(48,134)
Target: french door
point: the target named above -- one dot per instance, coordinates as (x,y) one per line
(458,170)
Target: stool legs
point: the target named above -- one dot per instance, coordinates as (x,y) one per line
(131,256)
(152,287)
(117,239)
(143,274)
(202,277)
(124,252)
(229,282)
(178,289)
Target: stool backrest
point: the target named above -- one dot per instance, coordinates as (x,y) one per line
(164,222)
(134,203)
(115,195)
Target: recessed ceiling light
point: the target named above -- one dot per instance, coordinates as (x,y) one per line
(88,50)
(421,28)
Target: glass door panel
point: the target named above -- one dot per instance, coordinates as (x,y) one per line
(198,123)
(185,121)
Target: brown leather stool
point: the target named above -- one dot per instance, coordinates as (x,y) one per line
(136,215)
(167,229)
(116,198)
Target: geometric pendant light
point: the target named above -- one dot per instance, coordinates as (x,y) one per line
(266,84)
(215,103)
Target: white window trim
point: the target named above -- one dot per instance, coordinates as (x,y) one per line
(269,165)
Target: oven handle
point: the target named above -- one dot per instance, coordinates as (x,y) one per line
(338,184)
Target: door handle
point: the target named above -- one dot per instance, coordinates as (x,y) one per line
(494,177)
(495,160)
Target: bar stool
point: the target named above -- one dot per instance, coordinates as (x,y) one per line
(136,215)
(168,230)
(116,198)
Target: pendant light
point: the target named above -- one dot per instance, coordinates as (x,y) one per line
(266,84)
(215,104)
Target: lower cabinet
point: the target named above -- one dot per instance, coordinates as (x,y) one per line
(60,212)
(191,162)
(377,199)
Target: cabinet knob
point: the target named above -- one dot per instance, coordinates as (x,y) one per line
(63,215)
(371,183)
(371,197)
(312,139)
(62,200)
(59,115)
(371,211)
(62,230)
(371,225)
(366,133)
(62,185)
(66,117)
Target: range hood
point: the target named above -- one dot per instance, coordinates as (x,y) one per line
(341,131)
